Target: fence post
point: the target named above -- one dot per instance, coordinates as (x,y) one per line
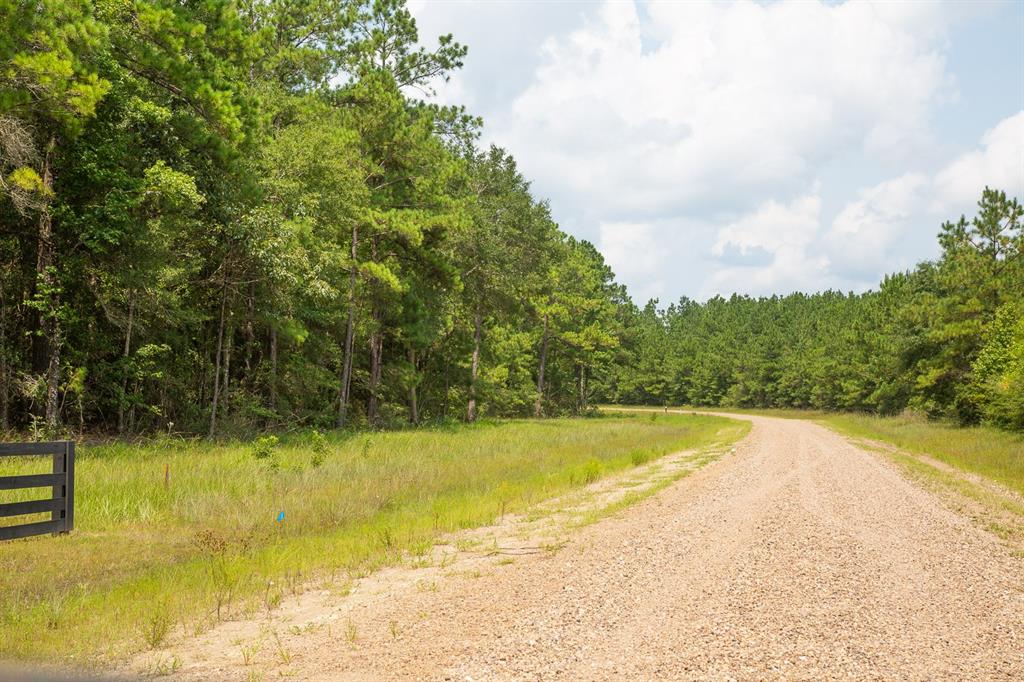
(64,463)
(69,488)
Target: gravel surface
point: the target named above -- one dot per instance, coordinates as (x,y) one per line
(798,556)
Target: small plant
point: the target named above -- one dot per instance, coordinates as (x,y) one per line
(590,471)
(638,457)
(166,666)
(54,610)
(210,541)
(263,448)
(351,633)
(387,540)
(249,652)
(157,626)
(271,597)
(225,580)
(282,654)
(366,447)
(318,444)
(393,628)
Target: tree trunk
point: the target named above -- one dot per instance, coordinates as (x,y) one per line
(216,364)
(272,388)
(250,334)
(5,416)
(584,391)
(47,281)
(579,388)
(447,387)
(229,338)
(376,361)
(538,407)
(414,415)
(346,361)
(124,358)
(474,367)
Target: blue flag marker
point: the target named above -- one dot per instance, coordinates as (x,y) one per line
(280,516)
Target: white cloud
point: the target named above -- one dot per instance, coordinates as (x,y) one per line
(888,227)
(863,234)
(732,104)
(634,251)
(718,147)
(998,164)
(785,233)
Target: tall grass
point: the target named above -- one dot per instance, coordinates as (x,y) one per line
(988,452)
(234,525)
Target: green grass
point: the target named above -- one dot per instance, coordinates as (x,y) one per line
(148,561)
(991,453)
(784,412)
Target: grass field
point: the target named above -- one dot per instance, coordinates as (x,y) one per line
(994,454)
(985,451)
(149,558)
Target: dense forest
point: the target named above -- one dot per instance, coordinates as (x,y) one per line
(219,217)
(946,339)
(223,216)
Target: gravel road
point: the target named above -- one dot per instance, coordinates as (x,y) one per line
(798,556)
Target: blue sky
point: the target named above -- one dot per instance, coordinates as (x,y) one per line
(759,148)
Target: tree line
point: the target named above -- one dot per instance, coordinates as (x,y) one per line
(219,217)
(945,339)
(225,216)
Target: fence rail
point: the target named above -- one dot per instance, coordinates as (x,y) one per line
(60,505)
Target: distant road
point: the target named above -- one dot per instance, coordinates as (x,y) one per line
(798,556)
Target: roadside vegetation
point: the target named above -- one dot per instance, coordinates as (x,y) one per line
(173,535)
(985,451)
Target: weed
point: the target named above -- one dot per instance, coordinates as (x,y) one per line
(393,628)
(351,633)
(250,651)
(263,447)
(157,626)
(590,471)
(318,445)
(641,456)
(166,666)
(54,610)
(283,656)
(271,597)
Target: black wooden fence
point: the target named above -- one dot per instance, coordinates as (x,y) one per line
(61,505)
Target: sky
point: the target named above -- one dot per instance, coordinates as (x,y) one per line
(747,147)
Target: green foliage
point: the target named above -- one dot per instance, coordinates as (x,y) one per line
(946,339)
(263,447)
(255,220)
(233,215)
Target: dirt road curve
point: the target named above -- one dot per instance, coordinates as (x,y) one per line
(799,556)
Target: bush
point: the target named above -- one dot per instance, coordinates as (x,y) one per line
(263,448)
